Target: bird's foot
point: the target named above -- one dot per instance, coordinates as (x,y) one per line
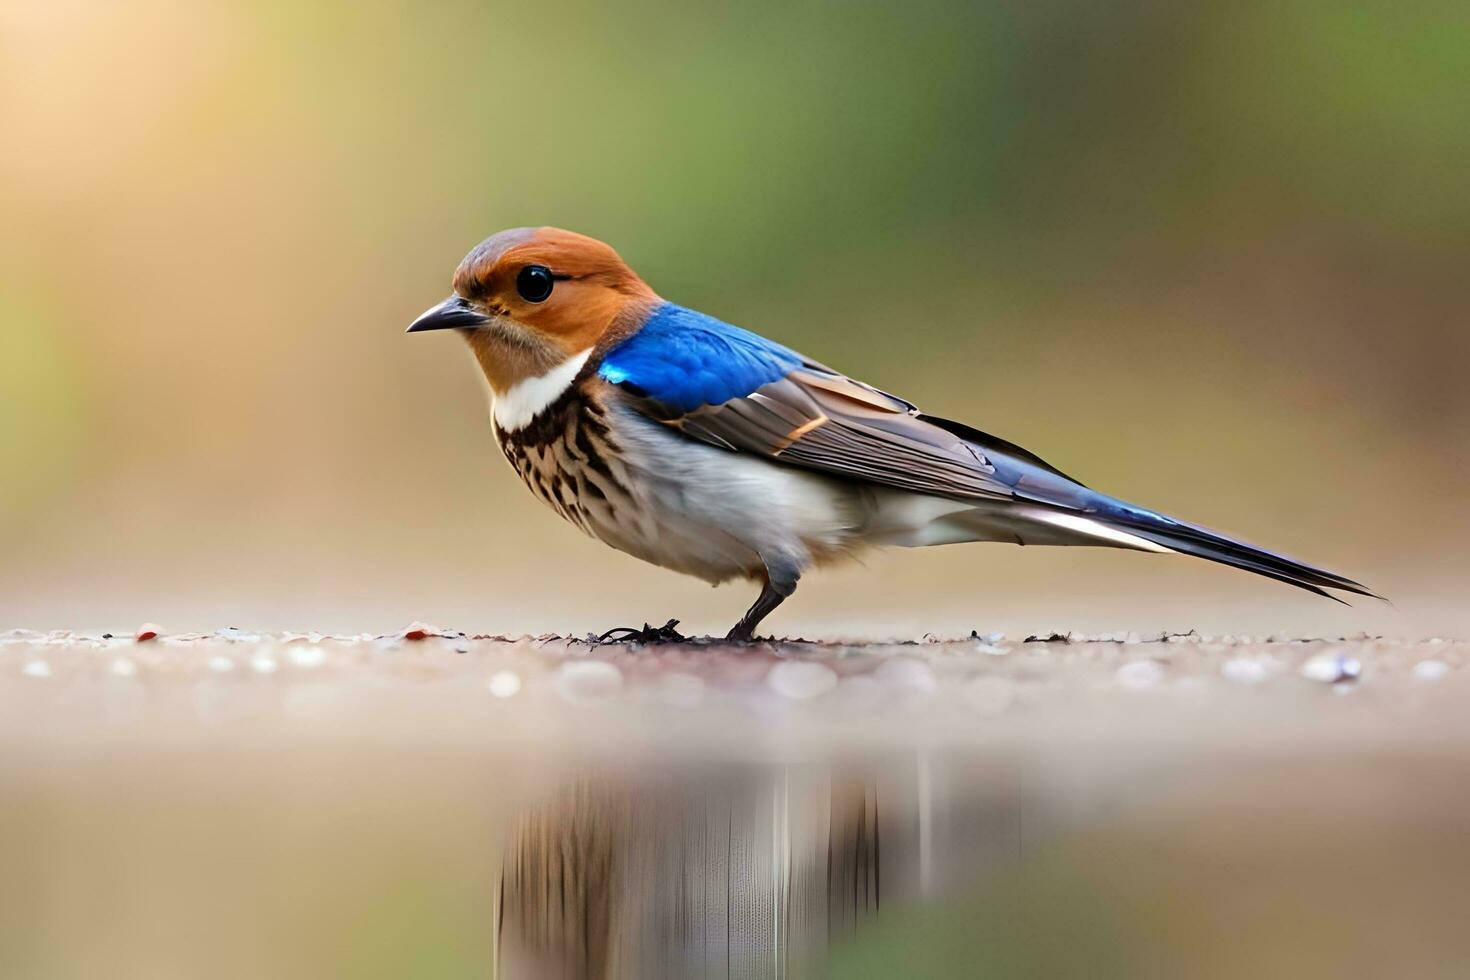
(648,634)
(740,633)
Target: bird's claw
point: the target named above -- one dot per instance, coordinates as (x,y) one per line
(648,634)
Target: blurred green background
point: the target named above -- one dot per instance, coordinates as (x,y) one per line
(1210,257)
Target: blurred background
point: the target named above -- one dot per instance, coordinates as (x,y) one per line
(1209,257)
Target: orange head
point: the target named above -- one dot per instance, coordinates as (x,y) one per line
(528,299)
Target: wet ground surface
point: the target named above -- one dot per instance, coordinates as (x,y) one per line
(965,689)
(429,803)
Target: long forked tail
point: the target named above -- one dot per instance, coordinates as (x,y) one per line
(1067,512)
(1191,539)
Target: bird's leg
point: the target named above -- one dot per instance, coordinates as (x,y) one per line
(772,595)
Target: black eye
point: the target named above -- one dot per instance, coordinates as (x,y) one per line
(534,283)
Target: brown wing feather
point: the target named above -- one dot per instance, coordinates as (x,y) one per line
(825,421)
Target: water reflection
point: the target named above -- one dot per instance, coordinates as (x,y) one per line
(741,872)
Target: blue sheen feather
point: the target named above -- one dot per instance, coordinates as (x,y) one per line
(686,360)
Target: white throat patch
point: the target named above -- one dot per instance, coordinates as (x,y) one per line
(526,399)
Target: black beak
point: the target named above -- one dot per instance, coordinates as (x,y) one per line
(453,312)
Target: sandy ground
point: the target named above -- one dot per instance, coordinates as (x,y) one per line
(434,804)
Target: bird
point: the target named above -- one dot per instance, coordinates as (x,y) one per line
(710,450)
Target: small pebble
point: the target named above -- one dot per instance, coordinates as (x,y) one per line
(420,631)
(123,667)
(1244,670)
(1139,675)
(37,668)
(148,631)
(990,695)
(587,681)
(801,680)
(1430,670)
(504,684)
(1332,667)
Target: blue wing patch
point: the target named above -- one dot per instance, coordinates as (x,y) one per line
(685,360)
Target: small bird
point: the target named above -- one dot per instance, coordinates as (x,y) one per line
(710,450)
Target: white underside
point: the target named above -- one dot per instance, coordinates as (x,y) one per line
(717,514)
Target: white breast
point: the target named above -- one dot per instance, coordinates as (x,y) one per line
(526,399)
(717,514)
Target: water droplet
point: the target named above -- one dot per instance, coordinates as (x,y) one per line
(1244,670)
(1430,670)
(1332,667)
(306,656)
(1140,675)
(504,684)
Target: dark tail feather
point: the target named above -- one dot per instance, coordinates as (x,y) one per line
(1191,539)
(1037,481)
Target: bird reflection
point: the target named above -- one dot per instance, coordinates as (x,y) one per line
(752,872)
